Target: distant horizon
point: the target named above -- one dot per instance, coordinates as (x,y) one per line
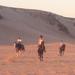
(60,7)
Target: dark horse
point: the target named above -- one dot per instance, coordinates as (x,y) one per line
(41,50)
(19,47)
(62,49)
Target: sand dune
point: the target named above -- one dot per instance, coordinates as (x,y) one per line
(29,64)
(29,24)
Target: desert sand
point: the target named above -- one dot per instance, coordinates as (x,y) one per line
(29,24)
(29,64)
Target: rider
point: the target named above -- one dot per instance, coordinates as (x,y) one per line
(40,40)
(19,40)
(18,44)
(61,43)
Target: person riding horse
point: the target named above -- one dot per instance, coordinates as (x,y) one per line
(62,48)
(19,46)
(41,47)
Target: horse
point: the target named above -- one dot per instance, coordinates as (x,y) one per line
(62,49)
(41,50)
(19,47)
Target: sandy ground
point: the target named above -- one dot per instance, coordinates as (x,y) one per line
(29,64)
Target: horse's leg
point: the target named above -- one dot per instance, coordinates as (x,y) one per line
(60,52)
(17,52)
(22,49)
(22,52)
(41,57)
(63,52)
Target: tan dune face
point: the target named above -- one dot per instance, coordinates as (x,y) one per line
(29,24)
(29,64)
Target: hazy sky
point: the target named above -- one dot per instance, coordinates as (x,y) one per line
(61,7)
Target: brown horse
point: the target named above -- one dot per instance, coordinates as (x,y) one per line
(62,49)
(41,50)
